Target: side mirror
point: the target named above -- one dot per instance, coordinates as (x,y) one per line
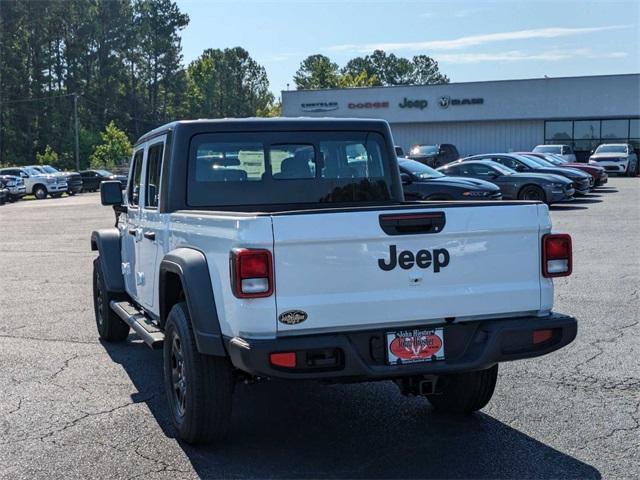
(519,168)
(24,175)
(111,193)
(405,178)
(493,174)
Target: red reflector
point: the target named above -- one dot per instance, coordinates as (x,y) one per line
(541,336)
(254,265)
(286,359)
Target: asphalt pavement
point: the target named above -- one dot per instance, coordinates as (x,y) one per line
(73,407)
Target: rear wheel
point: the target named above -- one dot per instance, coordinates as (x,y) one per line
(199,387)
(110,327)
(464,393)
(632,169)
(533,193)
(40,192)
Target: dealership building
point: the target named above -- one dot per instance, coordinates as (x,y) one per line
(495,116)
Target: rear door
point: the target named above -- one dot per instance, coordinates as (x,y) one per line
(352,270)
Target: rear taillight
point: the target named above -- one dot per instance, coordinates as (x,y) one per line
(556,255)
(251,273)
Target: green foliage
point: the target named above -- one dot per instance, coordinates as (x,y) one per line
(273,110)
(315,72)
(392,70)
(47,157)
(377,69)
(227,83)
(114,150)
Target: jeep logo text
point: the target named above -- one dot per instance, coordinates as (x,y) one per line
(423,259)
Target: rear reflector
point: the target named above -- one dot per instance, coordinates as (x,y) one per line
(251,273)
(541,336)
(557,255)
(284,359)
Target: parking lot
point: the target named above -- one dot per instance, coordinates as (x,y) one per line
(72,407)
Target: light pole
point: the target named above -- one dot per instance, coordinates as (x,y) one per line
(77,141)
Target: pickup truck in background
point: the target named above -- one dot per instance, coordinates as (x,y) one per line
(37,183)
(284,248)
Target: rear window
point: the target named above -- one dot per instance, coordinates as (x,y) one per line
(547,149)
(276,168)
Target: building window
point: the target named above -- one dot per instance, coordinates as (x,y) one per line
(615,130)
(586,135)
(558,131)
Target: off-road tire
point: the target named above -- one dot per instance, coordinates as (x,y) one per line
(199,387)
(40,192)
(464,393)
(111,328)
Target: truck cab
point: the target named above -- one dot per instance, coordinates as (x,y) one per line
(284,248)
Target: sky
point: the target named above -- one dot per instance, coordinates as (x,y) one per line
(471,40)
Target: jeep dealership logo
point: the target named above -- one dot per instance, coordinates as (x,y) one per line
(406,103)
(367,105)
(445,101)
(406,259)
(319,106)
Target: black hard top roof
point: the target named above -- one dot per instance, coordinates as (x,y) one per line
(267,124)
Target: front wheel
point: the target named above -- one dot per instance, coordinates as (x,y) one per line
(632,169)
(40,192)
(198,387)
(532,193)
(464,393)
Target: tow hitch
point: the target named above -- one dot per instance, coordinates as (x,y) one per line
(418,386)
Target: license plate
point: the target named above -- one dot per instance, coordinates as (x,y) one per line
(413,346)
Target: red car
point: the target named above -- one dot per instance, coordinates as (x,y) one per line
(599,174)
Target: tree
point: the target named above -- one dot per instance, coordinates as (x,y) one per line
(273,110)
(47,157)
(227,83)
(363,79)
(114,150)
(316,72)
(389,69)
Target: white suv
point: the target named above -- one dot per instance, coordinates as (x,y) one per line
(618,158)
(564,151)
(37,183)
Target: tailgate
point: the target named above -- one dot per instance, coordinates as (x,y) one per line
(345,272)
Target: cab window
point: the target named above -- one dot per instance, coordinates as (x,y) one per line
(133,193)
(154,164)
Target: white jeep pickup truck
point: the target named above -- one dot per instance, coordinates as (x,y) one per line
(284,248)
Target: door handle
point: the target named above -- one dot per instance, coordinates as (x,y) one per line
(150,235)
(133,231)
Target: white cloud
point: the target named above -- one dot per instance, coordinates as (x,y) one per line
(518,56)
(474,40)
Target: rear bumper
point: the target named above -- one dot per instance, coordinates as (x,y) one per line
(361,356)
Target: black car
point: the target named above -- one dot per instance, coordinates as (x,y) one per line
(581,181)
(434,155)
(91,179)
(421,182)
(543,187)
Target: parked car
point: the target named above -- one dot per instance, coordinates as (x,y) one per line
(431,295)
(546,164)
(599,174)
(544,187)
(434,155)
(74,180)
(399,151)
(421,182)
(91,179)
(16,187)
(618,158)
(582,182)
(565,151)
(37,183)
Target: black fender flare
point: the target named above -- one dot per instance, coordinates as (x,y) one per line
(190,265)
(107,243)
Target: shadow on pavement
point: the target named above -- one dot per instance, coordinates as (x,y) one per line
(565,207)
(310,430)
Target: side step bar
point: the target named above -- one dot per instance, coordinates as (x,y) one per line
(139,322)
